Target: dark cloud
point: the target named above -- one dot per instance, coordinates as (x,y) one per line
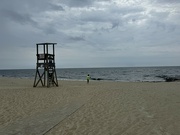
(76,38)
(81,3)
(115,24)
(167,1)
(77,3)
(56,7)
(31,7)
(17,17)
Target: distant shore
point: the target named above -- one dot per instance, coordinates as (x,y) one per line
(100,108)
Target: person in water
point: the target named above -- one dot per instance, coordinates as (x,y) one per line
(88,78)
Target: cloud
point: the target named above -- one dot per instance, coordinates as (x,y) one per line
(167,1)
(55,7)
(77,3)
(115,32)
(77,38)
(17,17)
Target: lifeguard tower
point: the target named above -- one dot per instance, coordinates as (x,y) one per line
(45,66)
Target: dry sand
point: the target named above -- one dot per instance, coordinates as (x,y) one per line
(98,108)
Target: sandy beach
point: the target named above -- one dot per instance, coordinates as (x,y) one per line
(97,108)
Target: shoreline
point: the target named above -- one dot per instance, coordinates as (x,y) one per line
(131,74)
(166,79)
(82,80)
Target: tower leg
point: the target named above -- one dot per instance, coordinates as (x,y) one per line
(55,78)
(40,78)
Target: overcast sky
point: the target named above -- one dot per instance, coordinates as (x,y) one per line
(91,33)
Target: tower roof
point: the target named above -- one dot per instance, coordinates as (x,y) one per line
(46,43)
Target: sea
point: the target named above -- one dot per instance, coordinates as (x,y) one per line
(122,74)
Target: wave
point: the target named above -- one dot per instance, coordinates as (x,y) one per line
(169,78)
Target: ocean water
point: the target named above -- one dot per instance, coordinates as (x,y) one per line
(123,74)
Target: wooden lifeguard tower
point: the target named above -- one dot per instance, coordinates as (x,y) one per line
(45,66)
